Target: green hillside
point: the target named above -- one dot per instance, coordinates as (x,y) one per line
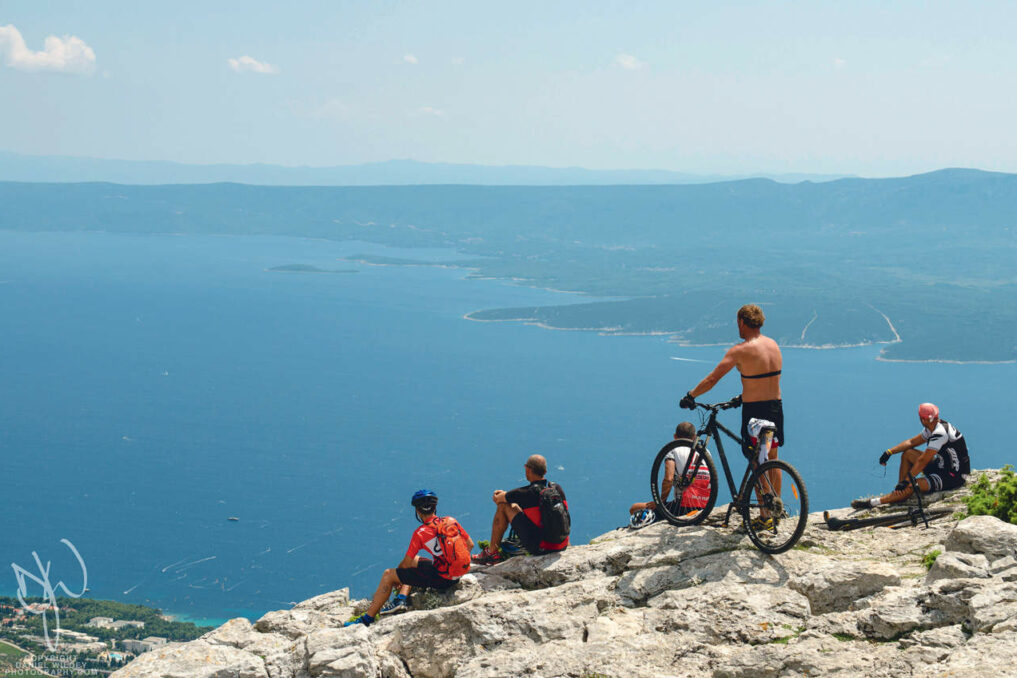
(928,258)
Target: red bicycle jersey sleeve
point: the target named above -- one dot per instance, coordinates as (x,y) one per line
(417,541)
(415,544)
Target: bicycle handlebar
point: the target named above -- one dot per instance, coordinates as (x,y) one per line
(730,404)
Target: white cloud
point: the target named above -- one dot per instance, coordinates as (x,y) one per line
(629,62)
(839,63)
(246,64)
(68,54)
(430,110)
(410,59)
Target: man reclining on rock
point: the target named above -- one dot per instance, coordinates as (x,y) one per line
(538,512)
(644,513)
(443,538)
(944,461)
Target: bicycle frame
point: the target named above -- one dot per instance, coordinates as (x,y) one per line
(712,429)
(911,516)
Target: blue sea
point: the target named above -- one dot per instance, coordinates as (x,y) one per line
(152,387)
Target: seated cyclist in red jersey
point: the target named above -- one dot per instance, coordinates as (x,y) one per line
(644,513)
(436,536)
(520,508)
(944,461)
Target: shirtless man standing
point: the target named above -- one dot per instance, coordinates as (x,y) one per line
(759,361)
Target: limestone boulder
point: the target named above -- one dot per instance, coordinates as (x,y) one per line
(236,633)
(987,535)
(196,659)
(832,585)
(958,565)
(296,623)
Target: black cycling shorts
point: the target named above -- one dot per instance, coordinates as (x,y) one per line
(424,575)
(941,480)
(771,410)
(529,534)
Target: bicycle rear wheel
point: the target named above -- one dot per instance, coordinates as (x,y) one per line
(776,506)
(694,486)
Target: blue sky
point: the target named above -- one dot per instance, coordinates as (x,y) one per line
(872,88)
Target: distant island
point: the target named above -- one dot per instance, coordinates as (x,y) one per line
(307,268)
(378,260)
(922,265)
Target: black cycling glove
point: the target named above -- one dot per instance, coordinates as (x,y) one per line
(902,485)
(688,402)
(885,457)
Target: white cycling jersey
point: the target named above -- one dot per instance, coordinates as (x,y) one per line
(679,455)
(950,445)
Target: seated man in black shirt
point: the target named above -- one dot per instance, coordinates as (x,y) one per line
(521,509)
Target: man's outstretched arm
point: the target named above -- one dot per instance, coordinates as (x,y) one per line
(710,380)
(902,446)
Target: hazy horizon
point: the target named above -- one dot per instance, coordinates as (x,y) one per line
(732,88)
(401,171)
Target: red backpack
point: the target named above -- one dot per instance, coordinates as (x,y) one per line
(454,559)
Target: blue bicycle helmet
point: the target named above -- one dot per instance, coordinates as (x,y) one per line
(424,499)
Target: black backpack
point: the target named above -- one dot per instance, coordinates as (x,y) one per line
(554,515)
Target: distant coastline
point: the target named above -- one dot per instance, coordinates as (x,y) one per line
(305,268)
(661,252)
(612,332)
(883,359)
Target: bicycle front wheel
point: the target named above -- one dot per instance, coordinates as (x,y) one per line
(693,489)
(776,506)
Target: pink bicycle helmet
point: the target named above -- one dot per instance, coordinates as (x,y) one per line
(928,412)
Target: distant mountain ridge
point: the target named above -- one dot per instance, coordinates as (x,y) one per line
(65,169)
(922,265)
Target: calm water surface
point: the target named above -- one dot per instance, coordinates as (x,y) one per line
(151,387)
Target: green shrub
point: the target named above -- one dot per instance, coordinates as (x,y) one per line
(999,499)
(929,558)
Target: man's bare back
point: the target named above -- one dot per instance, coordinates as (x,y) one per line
(754,358)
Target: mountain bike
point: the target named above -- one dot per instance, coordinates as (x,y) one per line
(771,499)
(911,517)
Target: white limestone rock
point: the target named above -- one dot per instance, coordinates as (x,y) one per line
(297,623)
(326,602)
(662,601)
(957,565)
(832,585)
(236,633)
(897,612)
(987,535)
(196,659)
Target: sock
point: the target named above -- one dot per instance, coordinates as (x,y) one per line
(875,502)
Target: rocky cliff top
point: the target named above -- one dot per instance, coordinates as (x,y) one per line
(664,601)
